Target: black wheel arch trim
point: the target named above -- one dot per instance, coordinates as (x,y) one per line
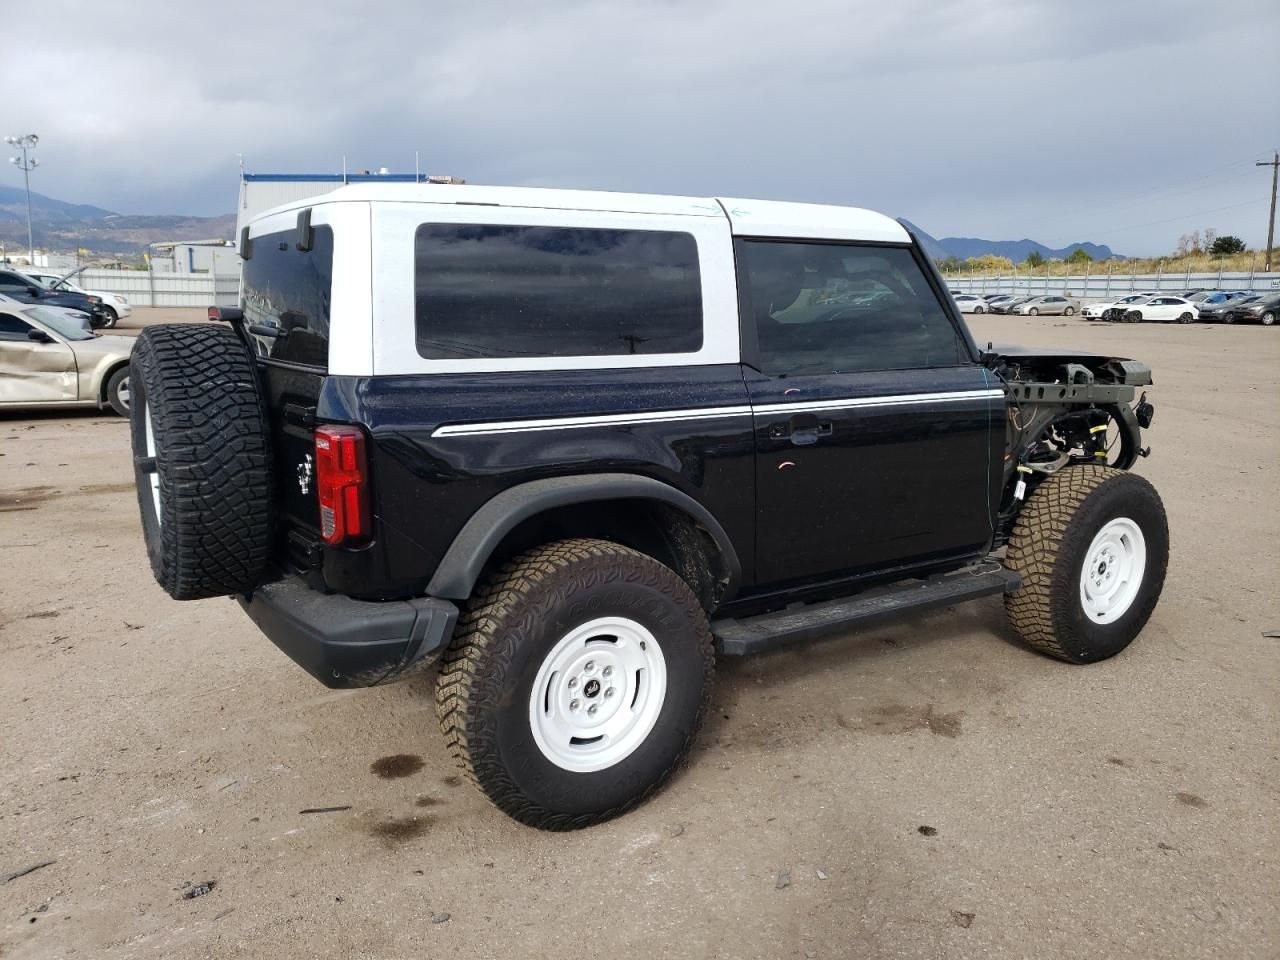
(464,561)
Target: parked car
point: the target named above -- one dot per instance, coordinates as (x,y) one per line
(1163,309)
(114,305)
(1261,309)
(1116,313)
(81,320)
(1218,296)
(1048,305)
(1098,311)
(48,360)
(525,446)
(21,287)
(1008,306)
(996,299)
(1217,312)
(970,303)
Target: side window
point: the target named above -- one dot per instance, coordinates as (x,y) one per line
(11,328)
(290,289)
(517,291)
(840,308)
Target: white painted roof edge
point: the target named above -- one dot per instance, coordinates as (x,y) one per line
(748,218)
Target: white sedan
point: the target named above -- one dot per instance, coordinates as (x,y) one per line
(968,303)
(1096,311)
(114,305)
(1164,309)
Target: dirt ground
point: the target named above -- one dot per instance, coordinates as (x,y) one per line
(927,789)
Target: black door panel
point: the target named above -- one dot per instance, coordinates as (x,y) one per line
(874,425)
(871,470)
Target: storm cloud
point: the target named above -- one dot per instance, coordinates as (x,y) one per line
(1123,123)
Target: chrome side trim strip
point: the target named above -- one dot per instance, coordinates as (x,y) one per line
(889,401)
(574,423)
(704,413)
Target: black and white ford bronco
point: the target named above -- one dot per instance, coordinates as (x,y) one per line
(568,445)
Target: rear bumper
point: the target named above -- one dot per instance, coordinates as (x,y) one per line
(350,643)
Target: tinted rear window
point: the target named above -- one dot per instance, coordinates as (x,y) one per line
(829,308)
(289,289)
(487,291)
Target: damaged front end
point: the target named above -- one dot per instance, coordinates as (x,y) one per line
(1066,409)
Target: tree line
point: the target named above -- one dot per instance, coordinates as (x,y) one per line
(1198,243)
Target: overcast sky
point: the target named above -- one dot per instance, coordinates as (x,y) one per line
(1120,123)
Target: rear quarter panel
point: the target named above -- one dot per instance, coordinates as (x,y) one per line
(426,486)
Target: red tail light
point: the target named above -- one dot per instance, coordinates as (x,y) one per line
(342,484)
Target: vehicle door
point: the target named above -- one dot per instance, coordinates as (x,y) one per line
(875,428)
(33,371)
(1159,308)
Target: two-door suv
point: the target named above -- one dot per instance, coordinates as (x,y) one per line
(567,445)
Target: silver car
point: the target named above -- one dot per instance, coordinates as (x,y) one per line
(1049,306)
(46,359)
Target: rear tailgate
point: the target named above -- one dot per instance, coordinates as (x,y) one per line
(285,295)
(291,402)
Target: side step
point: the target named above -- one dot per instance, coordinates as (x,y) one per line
(740,638)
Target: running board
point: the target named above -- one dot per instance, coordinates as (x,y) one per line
(740,638)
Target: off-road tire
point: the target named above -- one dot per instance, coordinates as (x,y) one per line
(1050,539)
(516,617)
(199,388)
(117,391)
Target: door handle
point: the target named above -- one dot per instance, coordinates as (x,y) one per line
(810,433)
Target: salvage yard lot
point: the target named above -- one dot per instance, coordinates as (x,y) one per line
(924,789)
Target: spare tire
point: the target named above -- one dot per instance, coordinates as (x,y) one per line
(202,460)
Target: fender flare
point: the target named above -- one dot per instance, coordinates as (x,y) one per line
(466,557)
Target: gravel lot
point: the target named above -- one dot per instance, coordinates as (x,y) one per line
(928,789)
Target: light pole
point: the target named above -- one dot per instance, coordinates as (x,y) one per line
(26,164)
(1274,164)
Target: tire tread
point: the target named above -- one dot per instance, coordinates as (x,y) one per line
(471,675)
(214,457)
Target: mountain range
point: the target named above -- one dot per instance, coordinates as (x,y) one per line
(58,225)
(1016,250)
(63,226)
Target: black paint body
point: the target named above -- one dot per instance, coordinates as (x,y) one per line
(879,492)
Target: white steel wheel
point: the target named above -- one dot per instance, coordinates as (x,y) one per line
(1113,569)
(598,694)
(154,476)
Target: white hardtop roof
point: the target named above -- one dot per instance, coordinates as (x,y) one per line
(751,218)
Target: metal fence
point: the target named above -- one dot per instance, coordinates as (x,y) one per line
(1101,285)
(162,289)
